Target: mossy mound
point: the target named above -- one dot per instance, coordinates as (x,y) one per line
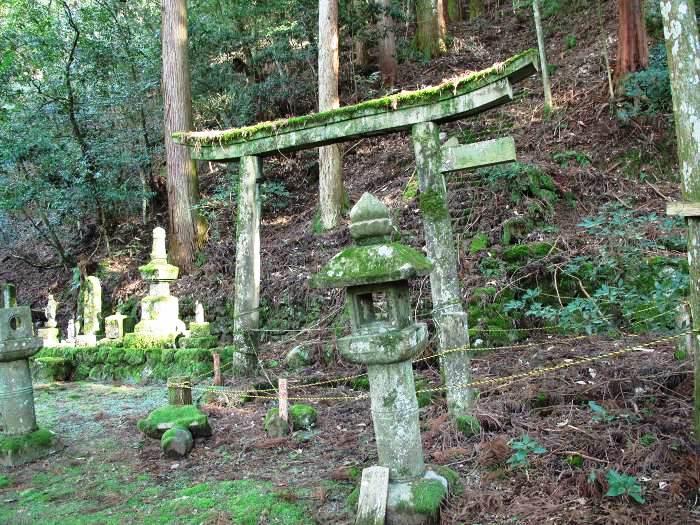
(18,450)
(134,365)
(167,417)
(303,417)
(468,425)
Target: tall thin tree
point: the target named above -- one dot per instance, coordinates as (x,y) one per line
(543,56)
(683,51)
(632,49)
(330,157)
(187,228)
(387,43)
(430,30)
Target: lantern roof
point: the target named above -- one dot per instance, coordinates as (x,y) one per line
(374,259)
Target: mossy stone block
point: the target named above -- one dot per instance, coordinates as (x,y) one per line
(55,368)
(303,416)
(209,341)
(167,417)
(176,442)
(18,450)
(144,341)
(274,425)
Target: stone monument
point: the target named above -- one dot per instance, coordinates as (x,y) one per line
(199,328)
(49,334)
(89,311)
(70,332)
(375,272)
(160,312)
(21,441)
(114,326)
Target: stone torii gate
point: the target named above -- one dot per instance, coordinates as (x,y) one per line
(420,111)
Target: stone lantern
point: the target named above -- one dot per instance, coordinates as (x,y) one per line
(375,273)
(20,441)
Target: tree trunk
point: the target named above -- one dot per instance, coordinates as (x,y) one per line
(683,50)
(442,17)
(387,44)
(543,56)
(330,157)
(361,55)
(429,35)
(476,9)
(187,229)
(632,50)
(453,10)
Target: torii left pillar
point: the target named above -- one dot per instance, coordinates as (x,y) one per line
(247,294)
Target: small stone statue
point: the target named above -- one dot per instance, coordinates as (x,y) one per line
(199,313)
(50,312)
(71,331)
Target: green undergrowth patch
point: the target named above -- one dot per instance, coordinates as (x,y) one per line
(633,280)
(77,495)
(4,482)
(135,365)
(37,439)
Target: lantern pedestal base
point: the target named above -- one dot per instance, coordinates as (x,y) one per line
(416,502)
(18,450)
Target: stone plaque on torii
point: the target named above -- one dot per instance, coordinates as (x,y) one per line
(419,111)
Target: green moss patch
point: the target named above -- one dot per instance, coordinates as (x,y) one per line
(41,438)
(426,497)
(208,341)
(468,425)
(433,205)
(144,341)
(167,417)
(4,482)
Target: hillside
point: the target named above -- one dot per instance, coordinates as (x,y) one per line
(568,251)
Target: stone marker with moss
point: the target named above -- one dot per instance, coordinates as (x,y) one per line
(89,311)
(176,427)
(160,312)
(375,273)
(21,441)
(49,333)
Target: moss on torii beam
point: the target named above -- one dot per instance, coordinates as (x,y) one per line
(466,95)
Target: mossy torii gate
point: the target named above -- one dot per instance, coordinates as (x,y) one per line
(420,111)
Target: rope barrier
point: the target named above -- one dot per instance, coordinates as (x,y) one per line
(567,363)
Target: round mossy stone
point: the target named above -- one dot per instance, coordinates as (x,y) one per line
(303,416)
(274,425)
(167,417)
(299,357)
(176,442)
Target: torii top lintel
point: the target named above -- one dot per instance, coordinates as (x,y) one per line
(453,100)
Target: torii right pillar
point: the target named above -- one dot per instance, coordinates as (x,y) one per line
(448,313)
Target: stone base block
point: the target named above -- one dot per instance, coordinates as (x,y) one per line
(417,502)
(184,416)
(18,450)
(49,336)
(86,340)
(145,340)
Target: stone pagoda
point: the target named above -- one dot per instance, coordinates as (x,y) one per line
(375,273)
(160,312)
(21,441)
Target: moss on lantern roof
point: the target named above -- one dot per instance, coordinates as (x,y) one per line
(376,263)
(463,84)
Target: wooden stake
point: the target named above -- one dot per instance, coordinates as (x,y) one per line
(218,380)
(374,489)
(283,400)
(180,390)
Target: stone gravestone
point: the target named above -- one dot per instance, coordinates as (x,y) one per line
(89,311)
(160,312)
(114,326)
(199,328)
(384,337)
(70,332)
(49,334)
(21,441)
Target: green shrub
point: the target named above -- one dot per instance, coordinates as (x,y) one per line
(648,92)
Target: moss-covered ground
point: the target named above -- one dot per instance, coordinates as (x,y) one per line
(109,473)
